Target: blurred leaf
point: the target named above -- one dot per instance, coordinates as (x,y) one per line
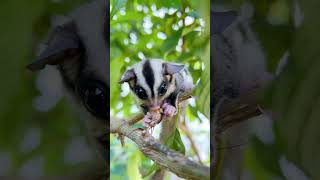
(258,170)
(128,17)
(267,155)
(172,3)
(171,42)
(266,34)
(116,6)
(203,90)
(296,96)
(114,90)
(133,166)
(116,177)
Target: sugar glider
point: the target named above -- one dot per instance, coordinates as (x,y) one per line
(157,85)
(76,54)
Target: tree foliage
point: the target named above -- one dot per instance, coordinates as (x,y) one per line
(175,31)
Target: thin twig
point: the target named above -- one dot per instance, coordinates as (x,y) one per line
(186,130)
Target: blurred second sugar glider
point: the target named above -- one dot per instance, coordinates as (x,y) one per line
(73,63)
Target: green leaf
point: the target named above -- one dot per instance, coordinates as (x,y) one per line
(175,142)
(133,166)
(151,169)
(178,143)
(116,6)
(203,89)
(171,42)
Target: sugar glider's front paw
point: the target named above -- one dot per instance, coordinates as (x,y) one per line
(147,119)
(168,109)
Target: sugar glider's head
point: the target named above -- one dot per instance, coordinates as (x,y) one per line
(152,81)
(76,54)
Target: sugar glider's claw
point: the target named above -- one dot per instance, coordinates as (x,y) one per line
(168,110)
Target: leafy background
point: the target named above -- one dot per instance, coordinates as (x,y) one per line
(176,31)
(33,142)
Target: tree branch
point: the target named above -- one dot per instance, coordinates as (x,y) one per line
(163,156)
(237,111)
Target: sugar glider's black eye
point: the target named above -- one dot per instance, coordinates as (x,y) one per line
(140,92)
(94,97)
(163,89)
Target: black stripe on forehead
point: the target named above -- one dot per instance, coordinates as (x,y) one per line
(148,75)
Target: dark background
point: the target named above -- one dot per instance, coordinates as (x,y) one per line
(33,142)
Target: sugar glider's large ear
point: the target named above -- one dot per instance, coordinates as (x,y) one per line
(63,44)
(221,20)
(127,76)
(172,68)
